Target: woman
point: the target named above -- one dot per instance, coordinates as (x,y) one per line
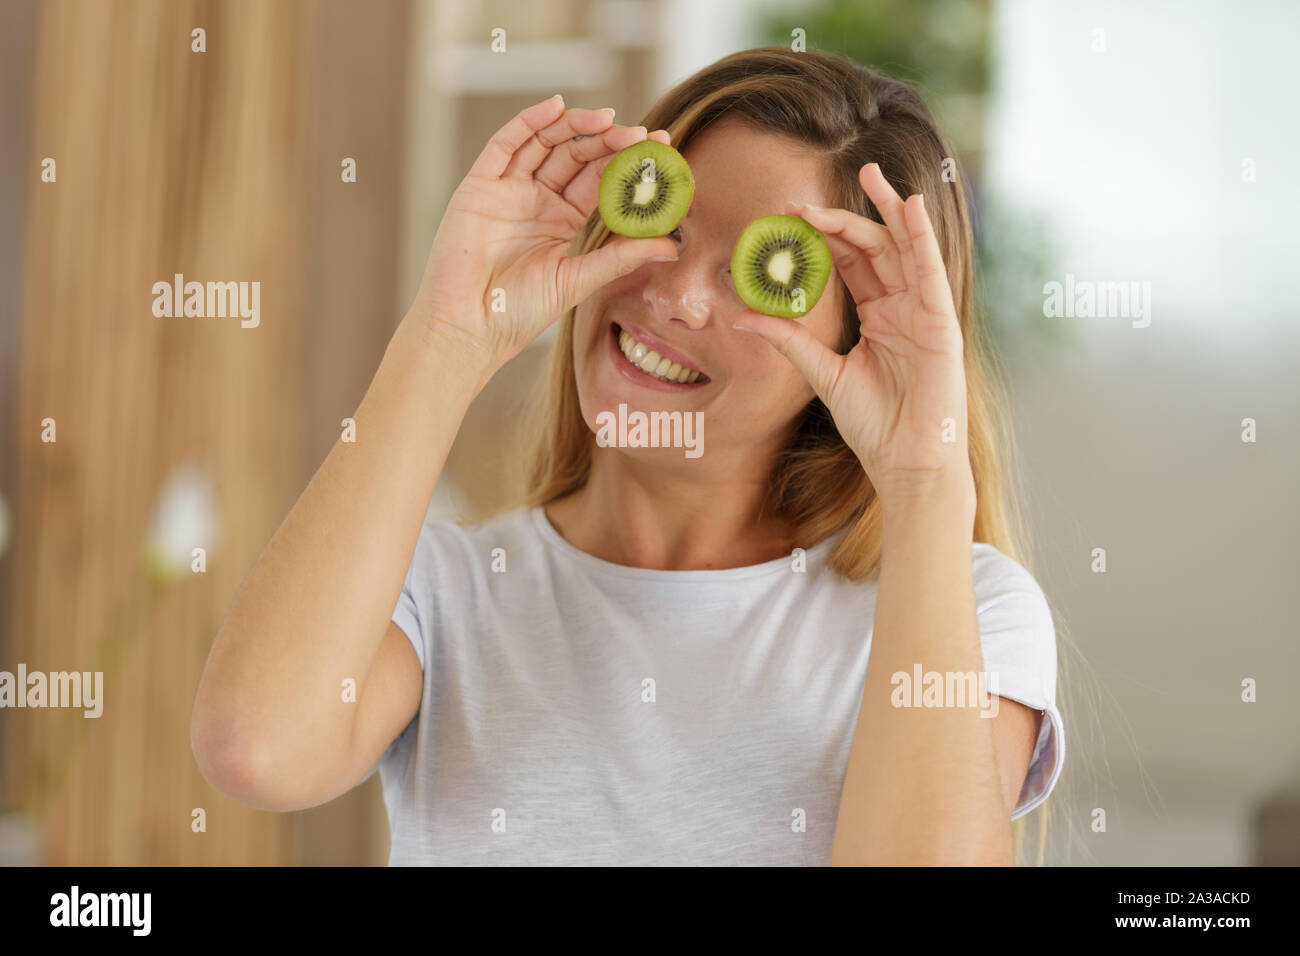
(664,658)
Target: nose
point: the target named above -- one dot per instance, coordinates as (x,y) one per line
(687,291)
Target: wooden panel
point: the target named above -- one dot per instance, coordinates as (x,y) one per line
(168,161)
(17,28)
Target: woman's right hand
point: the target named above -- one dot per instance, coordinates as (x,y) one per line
(499,271)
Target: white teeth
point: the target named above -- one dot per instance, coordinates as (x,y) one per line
(652,363)
(633,349)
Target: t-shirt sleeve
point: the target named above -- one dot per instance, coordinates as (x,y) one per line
(410,615)
(1018,639)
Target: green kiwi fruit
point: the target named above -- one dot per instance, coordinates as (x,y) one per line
(645,190)
(780,266)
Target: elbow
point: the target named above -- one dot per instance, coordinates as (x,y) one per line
(239,768)
(230,755)
(231,766)
(249,770)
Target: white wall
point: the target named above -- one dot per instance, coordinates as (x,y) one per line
(1131,438)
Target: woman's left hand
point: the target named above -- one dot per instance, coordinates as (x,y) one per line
(899,396)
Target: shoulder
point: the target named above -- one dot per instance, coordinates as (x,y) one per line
(452,537)
(456,565)
(1002,582)
(1018,642)
(1017,633)
(455,554)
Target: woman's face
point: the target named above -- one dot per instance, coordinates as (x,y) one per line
(748,393)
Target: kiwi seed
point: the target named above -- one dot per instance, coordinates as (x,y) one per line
(645,190)
(780,266)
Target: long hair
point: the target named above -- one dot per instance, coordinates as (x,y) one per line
(846,115)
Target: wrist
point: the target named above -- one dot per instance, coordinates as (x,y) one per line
(454,351)
(951,497)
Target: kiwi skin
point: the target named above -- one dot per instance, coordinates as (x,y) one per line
(811,264)
(619,178)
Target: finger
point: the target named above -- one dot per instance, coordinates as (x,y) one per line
(584,189)
(819,365)
(936,294)
(543,143)
(580,276)
(496,155)
(564,163)
(849,236)
(891,210)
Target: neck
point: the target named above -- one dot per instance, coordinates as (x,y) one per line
(675,517)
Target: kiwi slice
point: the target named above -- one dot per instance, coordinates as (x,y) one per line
(645,190)
(780,266)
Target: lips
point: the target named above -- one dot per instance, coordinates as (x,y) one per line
(656,359)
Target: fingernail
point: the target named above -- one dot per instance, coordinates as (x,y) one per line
(662,259)
(809,205)
(558,97)
(740,328)
(920,200)
(609,110)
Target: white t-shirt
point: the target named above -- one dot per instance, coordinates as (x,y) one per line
(577,711)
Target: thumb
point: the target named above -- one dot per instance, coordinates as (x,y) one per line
(818,364)
(580,276)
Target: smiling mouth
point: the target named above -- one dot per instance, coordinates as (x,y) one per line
(647,360)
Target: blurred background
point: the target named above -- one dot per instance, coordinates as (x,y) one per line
(1116,141)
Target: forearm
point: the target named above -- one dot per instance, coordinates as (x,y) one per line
(315,607)
(922,785)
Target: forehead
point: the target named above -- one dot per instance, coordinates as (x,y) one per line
(742,173)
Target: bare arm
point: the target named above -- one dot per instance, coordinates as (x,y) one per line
(924,785)
(270,726)
(318,603)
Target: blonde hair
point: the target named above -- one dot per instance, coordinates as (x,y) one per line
(848,116)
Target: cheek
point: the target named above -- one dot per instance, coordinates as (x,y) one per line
(586,360)
(765,364)
(766,391)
